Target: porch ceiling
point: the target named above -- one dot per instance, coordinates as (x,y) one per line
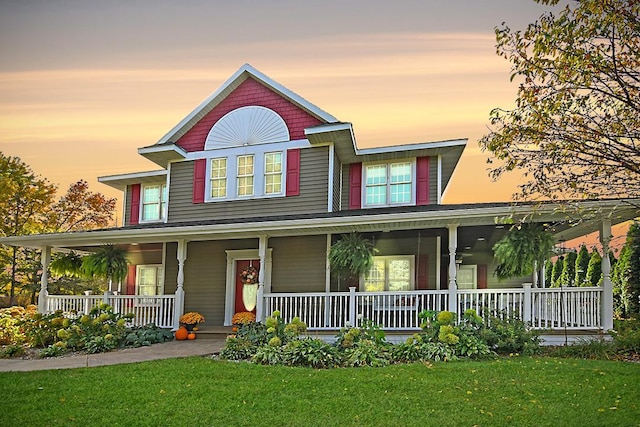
(482,217)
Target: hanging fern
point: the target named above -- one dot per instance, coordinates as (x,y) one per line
(69,264)
(108,262)
(351,256)
(520,248)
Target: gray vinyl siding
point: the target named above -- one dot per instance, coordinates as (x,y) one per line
(298,263)
(205,275)
(314,178)
(127,206)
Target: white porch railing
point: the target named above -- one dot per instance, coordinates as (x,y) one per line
(146,309)
(543,308)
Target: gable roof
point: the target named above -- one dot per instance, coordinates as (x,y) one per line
(243,73)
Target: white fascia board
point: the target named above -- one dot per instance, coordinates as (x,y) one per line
(246,68)
(161,148)
(333,127)
(119,182)
(412,147)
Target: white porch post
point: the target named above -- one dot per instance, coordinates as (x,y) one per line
(526,309)
(262,253)
(453,287)
(45,259)
(178,309)
(607,286)
(535,274)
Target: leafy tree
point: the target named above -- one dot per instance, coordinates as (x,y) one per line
(80,209)
(557,272)
(575,130)
(582,265)
(626,273)
(594,271)
(568,274)
(523,246)
(24,199)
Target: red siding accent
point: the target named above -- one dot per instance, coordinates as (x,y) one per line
(250,92)
(355,185)
(422,272)
(482,276)
(131,280)
(293,172)
(422,181)
(134,209)
(199,173)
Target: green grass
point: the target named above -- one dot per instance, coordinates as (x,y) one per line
(195,391)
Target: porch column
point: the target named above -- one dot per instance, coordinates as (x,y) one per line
(178,309)
(607,287)
(45,259)
(453,287)
(262,253)
(535,274)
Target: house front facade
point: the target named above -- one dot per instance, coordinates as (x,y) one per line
(257,181)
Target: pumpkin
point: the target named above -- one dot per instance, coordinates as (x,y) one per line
(191,336)
(182,333)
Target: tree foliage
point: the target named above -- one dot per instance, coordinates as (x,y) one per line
(594,270)
(568,274)
(556,274)
(523,246)
(575,128)
(626,274)
(582,264)
(80,209)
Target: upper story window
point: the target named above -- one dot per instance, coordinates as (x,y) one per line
(388,184)
(273,173)
(154,201)
(218,178)
(390,273)
(245,176)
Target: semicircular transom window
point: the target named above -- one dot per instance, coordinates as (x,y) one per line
(247,126)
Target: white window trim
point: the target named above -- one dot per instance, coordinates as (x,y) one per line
(259,152)
(282,173)
(363,196)
(238,176)
(160,288)
(412,270)
(473,269)
(163,210)
(226,178)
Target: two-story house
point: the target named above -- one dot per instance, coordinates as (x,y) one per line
(258,179)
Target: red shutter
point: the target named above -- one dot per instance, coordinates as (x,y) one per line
(355,185)
(422,181)
(199,173)
(131,280)
(422,273)
(293,172)
(134,209)
(482,276)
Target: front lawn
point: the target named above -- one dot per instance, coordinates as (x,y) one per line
(518,391)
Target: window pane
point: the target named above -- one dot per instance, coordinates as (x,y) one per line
(400,172)
(376,174)
(219,168)
(273,184)
(150,212)
(400,193)
(374,282)
(376,195)
(218,187)
(245,186)
(399,275)
(151,194)
(273,163)
(245,165)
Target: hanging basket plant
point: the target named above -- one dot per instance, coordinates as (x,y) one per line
(351,256)
(523,246)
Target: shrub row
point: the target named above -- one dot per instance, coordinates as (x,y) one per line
(98,331)
(275,342)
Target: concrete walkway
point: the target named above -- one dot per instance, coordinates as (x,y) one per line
(168,350)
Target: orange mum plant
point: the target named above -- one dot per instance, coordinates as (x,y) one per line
(242,318)
(192,318)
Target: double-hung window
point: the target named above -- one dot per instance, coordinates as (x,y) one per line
(154,201)
(149,280)
(390,273)
(388,184)
(219,178)
(245,175)
(273,173)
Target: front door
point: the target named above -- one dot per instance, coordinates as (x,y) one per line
(245,269)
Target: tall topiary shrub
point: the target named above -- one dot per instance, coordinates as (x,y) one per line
(594,271)
(630,272)
(568,275)
(582,264)
(524,246)
(557,272)
(548,273)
